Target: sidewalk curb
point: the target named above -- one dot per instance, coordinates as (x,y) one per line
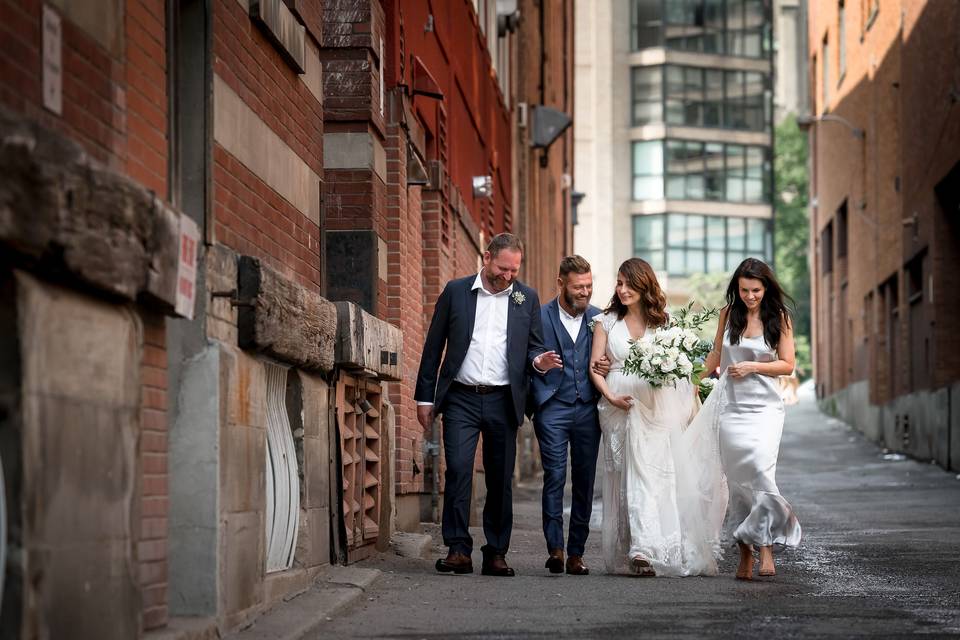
(306,613)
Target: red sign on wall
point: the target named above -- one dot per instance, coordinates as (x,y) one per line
(187,267)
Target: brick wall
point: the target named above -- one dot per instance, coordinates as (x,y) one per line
(154,500)
(250,216)
(896,87)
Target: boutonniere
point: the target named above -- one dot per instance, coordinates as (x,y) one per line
(518,297)
(592,323)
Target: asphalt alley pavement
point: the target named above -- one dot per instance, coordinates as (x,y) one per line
(880,557)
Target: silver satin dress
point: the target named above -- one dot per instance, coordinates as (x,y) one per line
(750,426)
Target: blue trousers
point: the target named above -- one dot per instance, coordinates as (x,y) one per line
(561,426)
(465,416)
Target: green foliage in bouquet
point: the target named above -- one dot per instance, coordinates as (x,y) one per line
(673,352)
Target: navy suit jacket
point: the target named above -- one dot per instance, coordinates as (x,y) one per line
(452,328)
(546,385)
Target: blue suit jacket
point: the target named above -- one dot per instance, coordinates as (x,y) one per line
(544,386)
(452,328)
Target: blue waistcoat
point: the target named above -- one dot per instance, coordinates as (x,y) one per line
(573,381)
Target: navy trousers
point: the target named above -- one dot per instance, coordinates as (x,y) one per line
(466,415)
(560,426)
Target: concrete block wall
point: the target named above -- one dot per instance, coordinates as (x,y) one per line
(923,425)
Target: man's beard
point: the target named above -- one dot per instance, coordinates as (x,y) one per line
(578,306)
(496,283)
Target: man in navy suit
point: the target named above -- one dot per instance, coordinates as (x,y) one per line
(490,325)
(565,415)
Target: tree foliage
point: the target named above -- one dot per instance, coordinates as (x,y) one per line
(792,229)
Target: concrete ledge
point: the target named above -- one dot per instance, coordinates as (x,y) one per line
(63,212)
(305,614)
(367,342)
(283,319)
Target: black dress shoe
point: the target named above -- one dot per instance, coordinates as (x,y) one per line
(575,566)
(555,561)
(455,562)
(496,565)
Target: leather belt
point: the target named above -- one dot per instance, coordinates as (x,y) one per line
(481,389)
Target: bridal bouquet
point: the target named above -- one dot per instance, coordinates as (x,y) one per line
(672,352)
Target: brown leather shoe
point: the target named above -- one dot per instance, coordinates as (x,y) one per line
(555,561)
(496,565)
(455,562)
(575,566)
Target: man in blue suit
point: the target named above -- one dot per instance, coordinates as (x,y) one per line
(487,328)
(565,415)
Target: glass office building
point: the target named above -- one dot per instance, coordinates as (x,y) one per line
(700,133)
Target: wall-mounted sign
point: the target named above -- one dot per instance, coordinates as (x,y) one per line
(187,267)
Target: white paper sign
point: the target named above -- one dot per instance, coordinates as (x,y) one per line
(52,61)
(187,267)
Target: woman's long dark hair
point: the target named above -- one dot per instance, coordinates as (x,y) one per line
(640,277)
(773,309)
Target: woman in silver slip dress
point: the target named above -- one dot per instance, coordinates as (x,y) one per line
(753,345)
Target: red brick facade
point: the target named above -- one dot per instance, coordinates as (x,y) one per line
(884,246)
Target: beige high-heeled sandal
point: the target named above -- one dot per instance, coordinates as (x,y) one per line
(767,566)
(745,570)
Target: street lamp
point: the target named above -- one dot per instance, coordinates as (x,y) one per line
(804,122)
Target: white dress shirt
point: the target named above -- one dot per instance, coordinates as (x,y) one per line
(570,323)
(486,359)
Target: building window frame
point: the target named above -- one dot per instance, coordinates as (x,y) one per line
(682,244)
(686,13)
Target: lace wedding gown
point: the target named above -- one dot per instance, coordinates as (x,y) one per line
(664,496)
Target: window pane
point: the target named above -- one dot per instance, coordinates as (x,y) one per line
(713,177)
(647,233)
(716,233)
(676,263)
(755,162)
(753,190)
(648,188)
(648,158)
(645,24)
(675,82)
(675,112)
(736,234)
(756,230)
(696,231)
(676,189)
(733,260)
(647,112)
(715,261)
(656,260)
(694,169)
(695,260)
(676,231)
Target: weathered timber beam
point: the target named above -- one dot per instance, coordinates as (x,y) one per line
(284,319)
(63,212)
(367,342)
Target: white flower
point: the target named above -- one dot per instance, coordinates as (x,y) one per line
(690,341)
(518,297)
(668,365)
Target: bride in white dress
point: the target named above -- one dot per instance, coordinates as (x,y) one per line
(663,492)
